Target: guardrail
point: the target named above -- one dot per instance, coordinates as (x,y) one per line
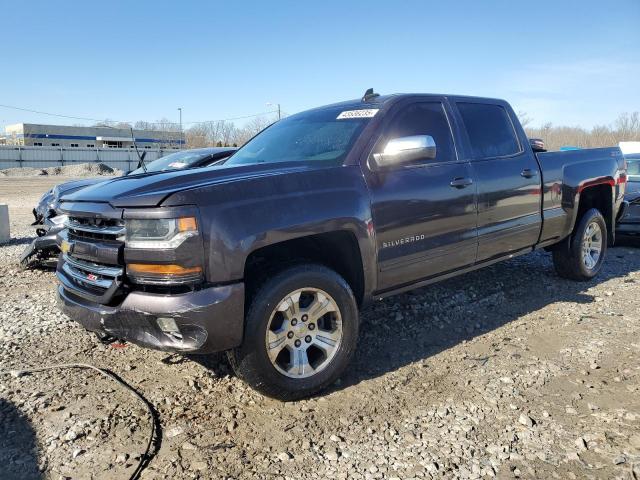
(42,157)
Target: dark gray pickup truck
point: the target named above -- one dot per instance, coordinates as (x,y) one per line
(271,255)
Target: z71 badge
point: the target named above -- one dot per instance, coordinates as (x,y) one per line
(402,241)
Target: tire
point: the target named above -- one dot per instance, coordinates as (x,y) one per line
(288,374)
(571,263)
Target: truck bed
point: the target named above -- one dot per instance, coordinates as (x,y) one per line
(565,175)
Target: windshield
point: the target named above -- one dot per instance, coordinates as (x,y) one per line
(324,135)
(633,167)
(175,161)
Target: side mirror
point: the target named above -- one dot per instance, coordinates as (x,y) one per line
(537,145)
(402,150)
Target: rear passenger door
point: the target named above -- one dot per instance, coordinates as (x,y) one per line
(507,176)
(424,213)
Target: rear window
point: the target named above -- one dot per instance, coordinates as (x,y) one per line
(490,130)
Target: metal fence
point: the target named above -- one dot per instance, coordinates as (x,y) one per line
(42,157)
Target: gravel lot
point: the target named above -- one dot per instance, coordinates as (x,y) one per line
(505,372)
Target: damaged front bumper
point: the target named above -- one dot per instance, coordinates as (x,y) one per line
(44,245)
(202,321)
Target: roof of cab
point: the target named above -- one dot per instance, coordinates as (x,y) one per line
(382,100)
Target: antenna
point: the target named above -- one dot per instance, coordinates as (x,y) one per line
(369,95)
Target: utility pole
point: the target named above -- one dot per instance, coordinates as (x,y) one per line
(275,105)
(181,132)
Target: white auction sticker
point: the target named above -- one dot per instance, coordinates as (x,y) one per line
(365,113)
(177,165)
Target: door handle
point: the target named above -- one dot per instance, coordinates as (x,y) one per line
(528,173)
(461,182)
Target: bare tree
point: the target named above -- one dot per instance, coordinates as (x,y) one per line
(219,133)
(524,118)
(105,123)
(197,136)
(251,129)
(626,127)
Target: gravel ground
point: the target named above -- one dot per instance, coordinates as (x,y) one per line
(508,372)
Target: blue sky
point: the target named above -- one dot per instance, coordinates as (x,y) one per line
(565,62)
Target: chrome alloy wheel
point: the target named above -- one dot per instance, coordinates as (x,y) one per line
(304,333)
(592,245)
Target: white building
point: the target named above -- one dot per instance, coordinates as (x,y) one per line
(36,135)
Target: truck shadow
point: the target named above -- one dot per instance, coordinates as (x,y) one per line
(18,448)
(414,326)
(419,324)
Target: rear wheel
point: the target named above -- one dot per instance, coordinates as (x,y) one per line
(587,248)
(300,333)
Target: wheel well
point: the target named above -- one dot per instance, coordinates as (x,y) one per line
(336,250)
(600,197)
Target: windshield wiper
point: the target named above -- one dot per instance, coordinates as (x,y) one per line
(140,157)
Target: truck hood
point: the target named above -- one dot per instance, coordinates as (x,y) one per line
(151,189)
(74,185)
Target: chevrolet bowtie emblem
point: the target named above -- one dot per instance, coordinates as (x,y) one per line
(66,247)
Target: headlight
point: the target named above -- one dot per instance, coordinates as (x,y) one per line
(182,265)
(159,233)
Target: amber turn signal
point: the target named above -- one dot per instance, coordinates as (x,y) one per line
(154,269)
(187,224)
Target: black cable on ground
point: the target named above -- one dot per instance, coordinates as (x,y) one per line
(153,445)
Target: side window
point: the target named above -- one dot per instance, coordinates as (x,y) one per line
(490,130)
(426,118)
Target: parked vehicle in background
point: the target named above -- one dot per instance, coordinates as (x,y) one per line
(49,220)
(629,221)
(271,255)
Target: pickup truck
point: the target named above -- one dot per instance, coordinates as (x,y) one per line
(270,255)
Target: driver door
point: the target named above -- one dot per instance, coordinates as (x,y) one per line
(425,212)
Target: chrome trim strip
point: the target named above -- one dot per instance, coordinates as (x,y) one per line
(102,270)
(108,230)
(77,275)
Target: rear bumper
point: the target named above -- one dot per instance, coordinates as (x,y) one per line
(208,320)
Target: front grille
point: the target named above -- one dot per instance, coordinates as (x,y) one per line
(94,277)
(96,228)
(92,266)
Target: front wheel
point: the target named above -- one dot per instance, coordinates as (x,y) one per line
(301,331)
(587,248)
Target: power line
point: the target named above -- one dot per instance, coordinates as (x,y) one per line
(119,121)
(51,114)
(233,118)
